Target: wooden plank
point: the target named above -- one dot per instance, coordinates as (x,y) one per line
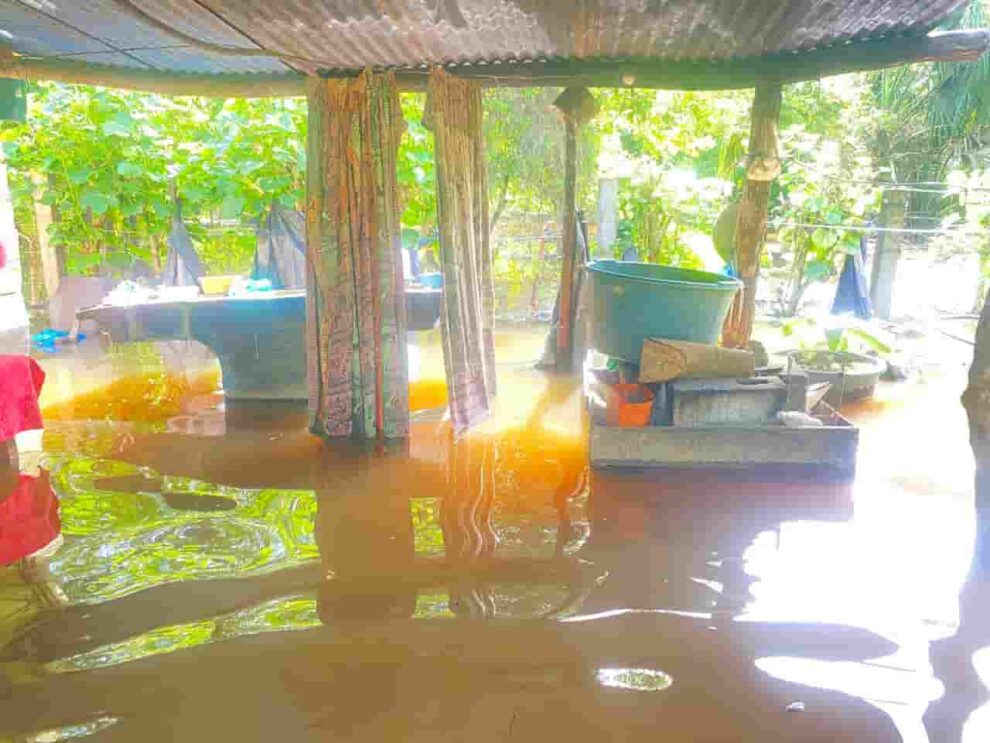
(831,447)
(662,360)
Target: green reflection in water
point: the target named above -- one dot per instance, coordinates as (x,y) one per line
(426,526)
(77,730)
(433,605)
(635,679)
(156,642)
(121,542)
(283,614)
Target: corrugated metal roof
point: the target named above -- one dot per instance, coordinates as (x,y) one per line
(351,34)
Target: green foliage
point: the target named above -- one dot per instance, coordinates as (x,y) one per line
(416,174)
(835,335)
(818,198)
(930,119)
(524,136)
(677,156)
(107,160)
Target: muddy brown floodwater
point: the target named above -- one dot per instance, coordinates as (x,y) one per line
(225,576)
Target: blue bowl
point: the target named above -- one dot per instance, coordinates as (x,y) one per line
(431,280)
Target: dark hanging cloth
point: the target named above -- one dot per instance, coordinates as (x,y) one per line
(852,294)
(182,265)
(281,253)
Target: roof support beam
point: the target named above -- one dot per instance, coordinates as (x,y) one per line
(947,46)
(249,85)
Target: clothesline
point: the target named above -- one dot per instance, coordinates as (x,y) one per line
(909,187)
(870,228)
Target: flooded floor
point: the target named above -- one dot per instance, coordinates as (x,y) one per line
(215,573)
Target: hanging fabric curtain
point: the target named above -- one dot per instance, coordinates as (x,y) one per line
(356,315)
(454,113)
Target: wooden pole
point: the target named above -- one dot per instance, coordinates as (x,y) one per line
(762,167)
(888,250)
(568,242)
(976,400)
(42,221)
(577,106)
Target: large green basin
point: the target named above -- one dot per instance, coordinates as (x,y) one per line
(634,301)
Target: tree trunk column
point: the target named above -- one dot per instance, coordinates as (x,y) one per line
(976,400)
(888,250)
(762,167)
(50,270)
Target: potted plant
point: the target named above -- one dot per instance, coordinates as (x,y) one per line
(853,375)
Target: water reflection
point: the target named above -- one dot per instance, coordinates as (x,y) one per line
(487,589)
(962,660)
(30,533)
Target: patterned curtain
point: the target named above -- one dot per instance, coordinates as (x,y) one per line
(454,112)
(356,316)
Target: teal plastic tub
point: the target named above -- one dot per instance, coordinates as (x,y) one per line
(634,301)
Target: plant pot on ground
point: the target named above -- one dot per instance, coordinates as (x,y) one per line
(853,376)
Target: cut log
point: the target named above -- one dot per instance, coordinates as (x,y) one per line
(662,360)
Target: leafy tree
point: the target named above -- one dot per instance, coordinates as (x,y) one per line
(109,160)
(927,120)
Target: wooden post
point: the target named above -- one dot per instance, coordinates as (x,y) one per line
(976,400)
(577,106)
(888,251)
(608,210)
(568,243)
(762,167)
(42,220)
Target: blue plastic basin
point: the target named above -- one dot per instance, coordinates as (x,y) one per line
(432,280)
(634,301)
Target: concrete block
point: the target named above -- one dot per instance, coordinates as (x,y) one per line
(726,402)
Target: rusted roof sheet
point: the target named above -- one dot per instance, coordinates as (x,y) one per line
(351,34)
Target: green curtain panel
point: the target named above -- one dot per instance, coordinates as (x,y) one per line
(356,322)
(454,113)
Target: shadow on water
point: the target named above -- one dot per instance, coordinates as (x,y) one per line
(227,576)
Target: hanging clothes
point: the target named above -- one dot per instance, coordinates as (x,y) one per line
(281,253)
(356,313)
(851,294)
(182,265)
(454,113)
